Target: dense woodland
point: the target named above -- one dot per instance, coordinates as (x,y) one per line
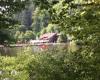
(34,18)
(22,20)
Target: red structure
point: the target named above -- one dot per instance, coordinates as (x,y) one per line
(45,38)
(52,37)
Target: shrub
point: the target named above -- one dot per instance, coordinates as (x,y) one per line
(56,64)
(14,68)
(62,65)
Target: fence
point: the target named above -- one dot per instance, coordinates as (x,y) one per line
(12,50)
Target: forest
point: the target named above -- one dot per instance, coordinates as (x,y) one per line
(23,20)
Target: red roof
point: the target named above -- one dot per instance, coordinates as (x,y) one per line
(47,36)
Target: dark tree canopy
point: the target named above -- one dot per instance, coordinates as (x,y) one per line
(7,9)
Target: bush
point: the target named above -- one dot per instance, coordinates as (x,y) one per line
(14,68)
(61,65)
(57,64)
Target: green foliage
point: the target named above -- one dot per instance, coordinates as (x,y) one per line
(5,37)
(43,31)
(51,65)
(14,68)
(24,36)
(62,37)
(79,18)
(51,28)
(29,35)
(40,19)
(7,10)
(57,64)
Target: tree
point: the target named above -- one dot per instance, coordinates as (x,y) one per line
(79,18)
(40,20)
(7,9)
(29,35)
(81,21)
